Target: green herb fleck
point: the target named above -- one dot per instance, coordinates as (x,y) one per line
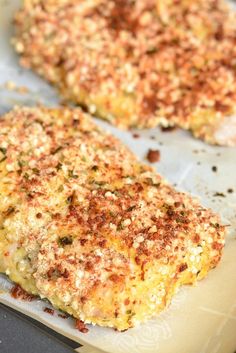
(71,198)
(36,171)
(65,240)
(120,226)
(3,150)
(100,183)
(180,220)
(59,148)
(3,159)
(215,225)
(61,188)
(94,168)
(58,166)
(9,211)
(21,163)
(112,214)
(152,183)
(131,208)
(151,51)
(72,175)
(26,176)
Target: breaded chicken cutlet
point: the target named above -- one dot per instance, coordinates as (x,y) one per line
(138,63)
(87,226)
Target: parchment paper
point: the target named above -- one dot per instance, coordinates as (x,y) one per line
(201,319)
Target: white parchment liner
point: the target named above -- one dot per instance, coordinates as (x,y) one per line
(201,319)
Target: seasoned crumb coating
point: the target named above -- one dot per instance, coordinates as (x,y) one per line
(138,63)
(86,225)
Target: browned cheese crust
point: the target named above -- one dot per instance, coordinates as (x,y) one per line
(84,224)
(138,63)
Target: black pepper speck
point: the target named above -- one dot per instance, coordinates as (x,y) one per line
(214,169)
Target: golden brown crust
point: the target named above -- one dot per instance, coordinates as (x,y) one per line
(98,233)
(137,63)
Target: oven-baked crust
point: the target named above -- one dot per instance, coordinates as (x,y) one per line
(86,225)
(138,63)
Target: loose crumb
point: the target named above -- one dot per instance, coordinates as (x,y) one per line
(153,156)
(214,169)
(168,128)
(219,194)
(22,89)
(12,86)
(49,311)
(63,316)
(230,191)
(79,325)
(19,293)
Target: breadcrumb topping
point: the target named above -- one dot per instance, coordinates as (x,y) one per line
(137,63)
(91,227)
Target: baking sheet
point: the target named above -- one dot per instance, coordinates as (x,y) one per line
(201,319)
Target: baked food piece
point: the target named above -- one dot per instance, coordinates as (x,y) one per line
(138,63)
(86,225)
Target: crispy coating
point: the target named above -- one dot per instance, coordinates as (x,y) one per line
(138,63)
(87,226)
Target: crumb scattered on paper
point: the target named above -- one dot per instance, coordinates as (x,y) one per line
(12,86)
(19,293)
(219,194)
(49,311)
(153,156)
(214,168)
(79,325)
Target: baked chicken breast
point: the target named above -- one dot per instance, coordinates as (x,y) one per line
(84,224)
(138,63)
